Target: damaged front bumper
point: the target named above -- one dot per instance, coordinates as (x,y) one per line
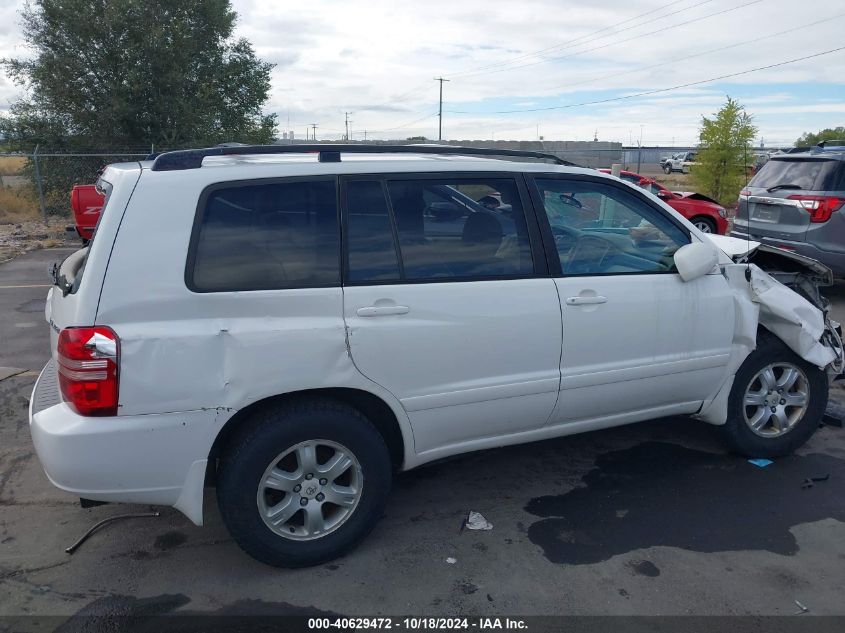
(779,291)
(786,287)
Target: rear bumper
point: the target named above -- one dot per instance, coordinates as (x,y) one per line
(833,260)
(157,459)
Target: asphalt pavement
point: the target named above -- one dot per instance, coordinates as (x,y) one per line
(653,518)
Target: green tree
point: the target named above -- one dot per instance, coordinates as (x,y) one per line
(128,74)
(809,139)
(725,150)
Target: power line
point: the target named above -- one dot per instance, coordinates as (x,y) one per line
(674,60)
(616,43)
(659,90)
(470,71)
(587,36)
(404,125)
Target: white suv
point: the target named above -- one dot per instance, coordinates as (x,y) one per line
(295,323)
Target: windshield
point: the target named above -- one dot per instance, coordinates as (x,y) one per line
(808,174)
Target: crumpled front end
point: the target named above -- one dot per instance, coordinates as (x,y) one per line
(779,291)
(804,327)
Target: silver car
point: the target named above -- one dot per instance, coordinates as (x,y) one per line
(797,202)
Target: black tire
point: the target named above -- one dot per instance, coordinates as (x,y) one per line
(667,168)
(737,432)
(267,435)
(701,219)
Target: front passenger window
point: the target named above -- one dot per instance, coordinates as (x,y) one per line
(603,229)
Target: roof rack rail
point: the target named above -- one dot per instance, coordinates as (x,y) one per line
(831,143)
(330,153)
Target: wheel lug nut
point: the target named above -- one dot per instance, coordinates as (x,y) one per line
(303,501)
(309,476)
(297,488)
(774,409)
(323,482)
(321,496)
(783,401)
(780,390)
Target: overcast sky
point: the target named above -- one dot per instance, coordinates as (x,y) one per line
(378,59)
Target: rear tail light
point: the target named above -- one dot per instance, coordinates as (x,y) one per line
(89,359)
(820,208)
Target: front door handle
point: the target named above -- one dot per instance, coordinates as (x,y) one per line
(373,311)
(586,300)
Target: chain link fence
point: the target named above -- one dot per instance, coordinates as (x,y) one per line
(38,183)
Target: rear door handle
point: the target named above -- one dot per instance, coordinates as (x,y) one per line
(583,301)
(373,311)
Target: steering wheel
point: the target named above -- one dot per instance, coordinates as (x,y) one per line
(565,237)
(588,257)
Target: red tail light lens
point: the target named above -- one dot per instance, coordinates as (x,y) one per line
(820,208)
(89,359)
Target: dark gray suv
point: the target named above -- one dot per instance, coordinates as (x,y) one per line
(797,202)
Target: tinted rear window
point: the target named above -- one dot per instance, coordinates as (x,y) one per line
(808,174)
(266,236)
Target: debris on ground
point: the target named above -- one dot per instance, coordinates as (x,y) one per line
(802,608)
(760,463)
(809,482)
(97,526)
(476,521)
(451,560)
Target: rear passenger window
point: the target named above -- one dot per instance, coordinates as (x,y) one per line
(266,236)
(372,251)
(461,228)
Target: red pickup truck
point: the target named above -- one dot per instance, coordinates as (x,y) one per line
(87,203)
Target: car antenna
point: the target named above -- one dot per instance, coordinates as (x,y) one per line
(748,214)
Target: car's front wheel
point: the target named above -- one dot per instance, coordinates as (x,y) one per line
(303,483)
(776,403)
(703,224)
(667,168)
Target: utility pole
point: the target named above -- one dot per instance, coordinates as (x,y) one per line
(440,110)
(314,129)
(365,136)
(347,125)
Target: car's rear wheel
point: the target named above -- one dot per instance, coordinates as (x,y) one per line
(776,402)
(667,168)
(704,224)
(303,483)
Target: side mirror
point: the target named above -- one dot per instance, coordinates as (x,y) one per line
(664,195)
(695,260)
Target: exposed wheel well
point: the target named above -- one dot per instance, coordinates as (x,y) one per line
(374,408)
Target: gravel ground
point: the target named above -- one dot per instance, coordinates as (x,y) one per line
(17,238)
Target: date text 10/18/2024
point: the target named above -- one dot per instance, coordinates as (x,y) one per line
(417,623)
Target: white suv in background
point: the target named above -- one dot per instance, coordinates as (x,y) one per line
(295,323)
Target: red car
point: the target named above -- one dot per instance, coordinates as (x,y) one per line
(705,213)
(87,203)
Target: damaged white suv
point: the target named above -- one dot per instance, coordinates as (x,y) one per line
(295,323)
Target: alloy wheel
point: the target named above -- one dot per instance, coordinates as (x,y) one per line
(310,490)
(776,399)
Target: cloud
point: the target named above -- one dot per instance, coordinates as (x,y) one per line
(378,59)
